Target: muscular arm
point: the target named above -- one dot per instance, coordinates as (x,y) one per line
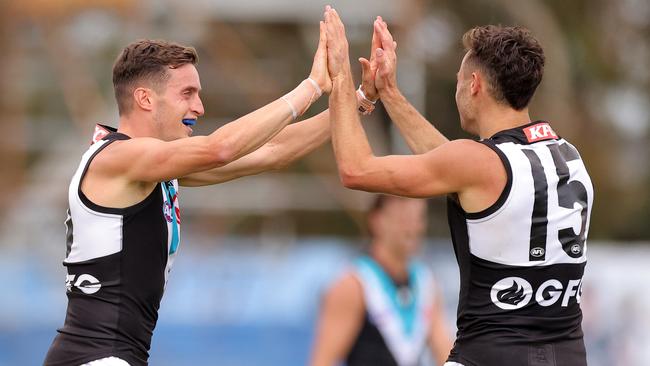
(451,168)
(152,160)
(440,171)
(339,323)
(420,135)
(294,142)
(465,167)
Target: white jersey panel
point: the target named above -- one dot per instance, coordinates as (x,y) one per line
(95,234)
(504,237)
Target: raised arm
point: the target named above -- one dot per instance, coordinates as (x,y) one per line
(294,142)
(420,135)
(153,160)
(291,144)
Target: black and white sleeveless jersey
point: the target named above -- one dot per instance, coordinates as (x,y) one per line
(117,262)
(397,318)
(522,260)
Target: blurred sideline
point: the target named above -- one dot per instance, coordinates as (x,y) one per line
(243,302)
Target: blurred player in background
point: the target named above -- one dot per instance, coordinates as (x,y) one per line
(519,200)
(387,309)
(123,226)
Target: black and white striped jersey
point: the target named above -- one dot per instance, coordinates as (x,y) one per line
(522,259)
(117,261)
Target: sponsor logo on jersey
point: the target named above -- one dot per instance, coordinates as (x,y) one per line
(167,211)
(88,284)
(576,249)
(539,132)
(168,206)
(100,133)
(513,293)
(537,252)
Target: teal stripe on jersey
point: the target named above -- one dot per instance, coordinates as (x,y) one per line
(170,192)
(406,313)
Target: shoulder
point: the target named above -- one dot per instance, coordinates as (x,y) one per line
(346,289)
(118,155)
(463,150)
(466,159)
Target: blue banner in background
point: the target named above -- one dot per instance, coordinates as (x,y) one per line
(240,303)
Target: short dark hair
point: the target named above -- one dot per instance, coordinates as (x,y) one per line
(147,61)
(512,59)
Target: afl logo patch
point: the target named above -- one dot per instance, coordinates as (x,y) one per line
(167,211)
(537,252)
(575,249)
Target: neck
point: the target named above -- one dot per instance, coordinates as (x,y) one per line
(395,265)
(497,117)
(135,126)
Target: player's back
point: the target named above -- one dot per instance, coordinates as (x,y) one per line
(522,260)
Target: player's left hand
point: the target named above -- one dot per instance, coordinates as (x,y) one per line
(369,67)
(319,71)
(386,58)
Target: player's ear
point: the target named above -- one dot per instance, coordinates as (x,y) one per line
(143,98)
(477,82)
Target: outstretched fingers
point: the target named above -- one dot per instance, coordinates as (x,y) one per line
(337,47)
(322,40)
(385,38)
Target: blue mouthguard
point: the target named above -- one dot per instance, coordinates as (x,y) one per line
(189,121)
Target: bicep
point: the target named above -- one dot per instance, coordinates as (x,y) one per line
(256,162)
(153,160)
(447,169)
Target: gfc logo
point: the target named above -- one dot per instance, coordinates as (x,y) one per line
(86,283)
(513,293)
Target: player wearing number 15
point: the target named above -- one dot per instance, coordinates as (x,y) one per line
(519,199)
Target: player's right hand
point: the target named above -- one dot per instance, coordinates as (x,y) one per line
(338,62)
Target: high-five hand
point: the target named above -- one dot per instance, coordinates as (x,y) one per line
(369,68)
(386,57)
(338,62)
(319,71)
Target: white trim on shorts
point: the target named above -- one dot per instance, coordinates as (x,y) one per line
(108,361)
(453,364)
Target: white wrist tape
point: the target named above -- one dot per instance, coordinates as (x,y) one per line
(365,105)
(294,113)
(364,96)
(313,82)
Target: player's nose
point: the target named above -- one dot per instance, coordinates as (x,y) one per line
(197,107)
